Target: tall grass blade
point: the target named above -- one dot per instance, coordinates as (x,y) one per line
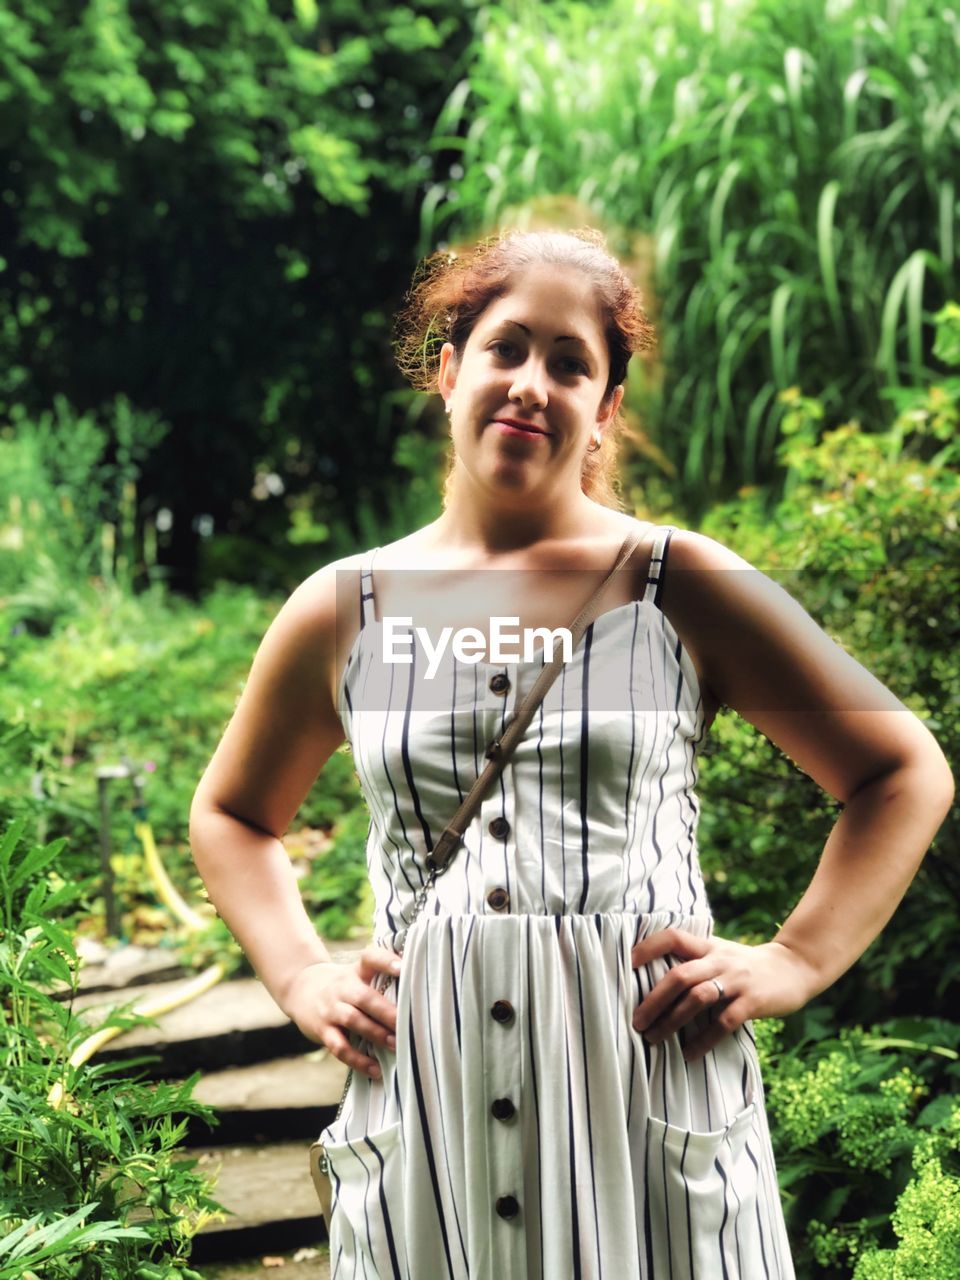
(778,336)
(851,98)
(826,210)
(909,276)
(947,210)
(718,203)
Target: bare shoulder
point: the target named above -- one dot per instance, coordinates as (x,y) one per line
(315,599)
(318,622)
(286,723)
(762,654)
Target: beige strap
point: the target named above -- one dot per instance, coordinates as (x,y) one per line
(500,750)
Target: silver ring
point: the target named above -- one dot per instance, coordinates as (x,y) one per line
(719,985)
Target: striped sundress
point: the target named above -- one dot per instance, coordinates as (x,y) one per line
(523,1128)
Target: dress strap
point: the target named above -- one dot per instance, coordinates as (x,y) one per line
(368,605)
(658,564)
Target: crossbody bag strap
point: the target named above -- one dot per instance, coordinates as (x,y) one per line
(500,750)
(498,753)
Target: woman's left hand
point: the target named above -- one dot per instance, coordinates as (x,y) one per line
(737,982)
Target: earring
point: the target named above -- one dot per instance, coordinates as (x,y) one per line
(448,407)
(594,444)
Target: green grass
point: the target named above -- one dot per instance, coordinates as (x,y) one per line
(794,168)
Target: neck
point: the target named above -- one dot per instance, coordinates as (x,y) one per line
(500,526)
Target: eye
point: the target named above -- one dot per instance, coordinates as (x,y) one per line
(496,347)
(569,364)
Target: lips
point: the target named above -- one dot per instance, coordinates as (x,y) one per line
(529,427)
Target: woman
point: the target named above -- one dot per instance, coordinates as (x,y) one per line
(557,1077)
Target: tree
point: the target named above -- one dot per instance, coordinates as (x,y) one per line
(207,209)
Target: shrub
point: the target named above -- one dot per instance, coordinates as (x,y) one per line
(865,536)
(68,498)
(83,1151)
(848,1122)
(926,1219)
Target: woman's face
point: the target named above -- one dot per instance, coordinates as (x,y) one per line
(526,399)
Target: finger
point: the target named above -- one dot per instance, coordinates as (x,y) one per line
(341,1048)
(377,960)
(355,1020)
(666,942)
(700,998)
(671,988)
(375,1006)
(724,1024)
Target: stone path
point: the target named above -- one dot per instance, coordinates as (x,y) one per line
(272,1091)
(305,1264)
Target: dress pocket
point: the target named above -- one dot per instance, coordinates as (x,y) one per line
(702,1199)
(367,1178)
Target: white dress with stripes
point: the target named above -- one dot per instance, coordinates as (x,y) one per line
(523,1128)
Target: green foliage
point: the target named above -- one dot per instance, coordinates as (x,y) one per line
(119,679)
(241,82)
(116,676)
(68,485)
(865,536)
(82,1152)
(418,461)
(926,1219)
(848,1126)
(338,881)
(784,177)
(204,208)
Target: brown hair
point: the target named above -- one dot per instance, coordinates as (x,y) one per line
(450,291)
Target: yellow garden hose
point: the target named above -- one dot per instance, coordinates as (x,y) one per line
(164,886)
(150,1008)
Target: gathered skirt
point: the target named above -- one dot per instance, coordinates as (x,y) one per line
(523,1128)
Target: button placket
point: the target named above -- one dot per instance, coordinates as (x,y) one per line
(502,1034)
(505,1140)
(496,810)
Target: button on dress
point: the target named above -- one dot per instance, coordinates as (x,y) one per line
(523,1128)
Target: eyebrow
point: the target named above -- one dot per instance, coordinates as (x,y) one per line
(568,337)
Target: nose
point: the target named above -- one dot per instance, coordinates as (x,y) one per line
(530,384)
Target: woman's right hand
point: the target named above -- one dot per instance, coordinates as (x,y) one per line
(329,1001)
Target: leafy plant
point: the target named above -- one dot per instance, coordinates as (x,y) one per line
(783,178)
(249,307)
(848,1126)
(926,1219)
(865,536)
(74,1135)
(68,496)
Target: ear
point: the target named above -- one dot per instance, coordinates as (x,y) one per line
(447,373)
(608,408)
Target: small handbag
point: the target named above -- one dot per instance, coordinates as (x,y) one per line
(497,754)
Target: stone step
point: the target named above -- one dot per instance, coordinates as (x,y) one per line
(232,1024)
(114,969)
(235,1023)
(270,1193)
(268,1101)
(304,1264)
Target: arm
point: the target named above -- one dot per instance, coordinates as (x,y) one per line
(762,655)
(284,729)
